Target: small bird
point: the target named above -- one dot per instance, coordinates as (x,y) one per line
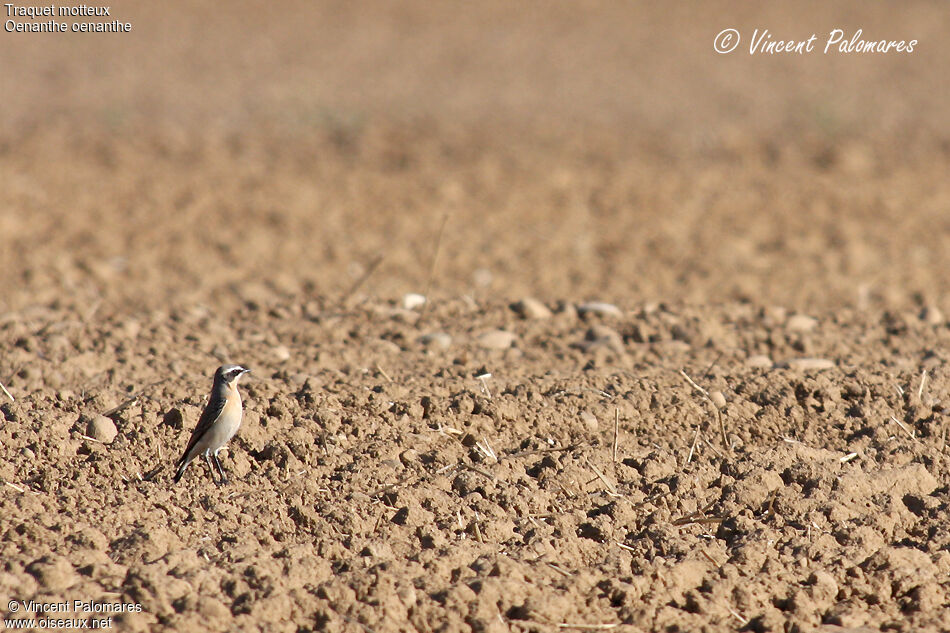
(218,422)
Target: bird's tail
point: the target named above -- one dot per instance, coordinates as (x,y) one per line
(182,465)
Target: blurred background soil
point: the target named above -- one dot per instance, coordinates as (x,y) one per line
(264,183)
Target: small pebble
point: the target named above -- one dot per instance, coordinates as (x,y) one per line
(759,361)
(55,380)
(438,340)
(53,573)
(806,364)
(823,585)
(281,353)
(407,595)
(383,346)
(774,315)
(801,323)
(312,310)
(130,328)
(412,301)
(601,336)
(566,309)
(718,399)
(377,549)
(931,315)
(409,457)
(482,277)
(212,609)
(590,421)
(529,308)
(497,339)
(298,379)
(102,428)
(599,308)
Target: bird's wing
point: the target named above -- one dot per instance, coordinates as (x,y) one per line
(208,417)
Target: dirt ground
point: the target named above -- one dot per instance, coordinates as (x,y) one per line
(683,364)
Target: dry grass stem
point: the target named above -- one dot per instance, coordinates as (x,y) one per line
(559,569)
(478,531)
(616,432)
(383,373)
(705,394)
(601,393)
(15,487)
(448,430)
(539,451)
(923,379)
(479,471)
(435,259)
(486,449)
(483,379)
(133,399)
(692,448)
(713,448)
(904,428)
(771,505)
(588,627)
(699,516)
(4,389)
(695,386)
(388,487)
(737,616)
(610,487)
(706,372)
(698,521)
(651,499)
(373,265)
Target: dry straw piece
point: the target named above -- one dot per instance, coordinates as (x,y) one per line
(722,426)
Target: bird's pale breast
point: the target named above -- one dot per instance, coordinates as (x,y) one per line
(227,423)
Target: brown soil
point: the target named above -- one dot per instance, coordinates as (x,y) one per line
(264,185)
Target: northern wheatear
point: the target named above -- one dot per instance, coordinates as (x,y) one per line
(218,422)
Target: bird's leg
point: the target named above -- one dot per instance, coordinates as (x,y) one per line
(211,468)
(224,478)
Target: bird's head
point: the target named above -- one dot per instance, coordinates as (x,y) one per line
(229,374)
